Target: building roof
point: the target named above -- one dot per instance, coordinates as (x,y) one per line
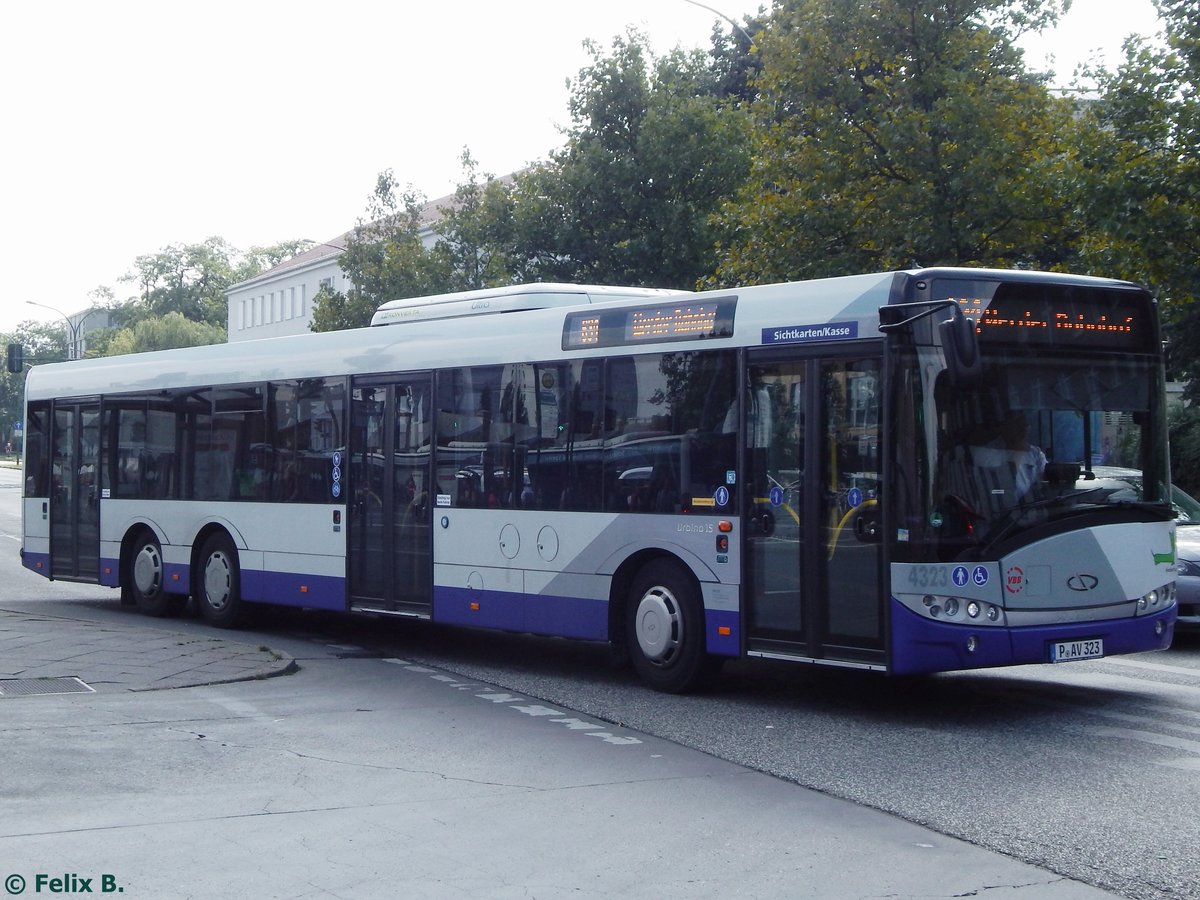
(431,213)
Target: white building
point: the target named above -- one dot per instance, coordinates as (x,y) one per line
(279,301)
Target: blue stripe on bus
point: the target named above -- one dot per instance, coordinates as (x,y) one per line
(291,589)
(572,617)
(921,645)
(728,644)
(37,562)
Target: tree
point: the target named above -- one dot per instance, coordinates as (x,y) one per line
(257,260)
(476,247)
(165,332)
(653,149)
(898,132)
(1142,171)
(41,343)
(189,279)
(385,259)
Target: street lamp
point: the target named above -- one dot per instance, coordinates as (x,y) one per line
(72,326)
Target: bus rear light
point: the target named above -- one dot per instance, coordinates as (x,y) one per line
(304,588)
(725,526)
(474,606)
(724,630)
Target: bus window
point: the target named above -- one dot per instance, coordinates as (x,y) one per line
(233,459)
(306,429)
(37,458)
(670,442)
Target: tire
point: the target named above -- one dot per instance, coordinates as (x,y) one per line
(664,629)
(146,580)
(218,591)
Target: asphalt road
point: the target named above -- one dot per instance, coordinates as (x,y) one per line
(1090,770)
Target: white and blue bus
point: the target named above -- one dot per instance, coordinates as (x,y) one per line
(890,472)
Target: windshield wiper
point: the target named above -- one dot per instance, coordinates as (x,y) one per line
(1008,523)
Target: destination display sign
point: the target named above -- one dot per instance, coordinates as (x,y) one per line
(1049,314)
(681,320)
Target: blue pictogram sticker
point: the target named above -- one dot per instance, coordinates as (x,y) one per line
(337,458)
(776,496)
(979,575)
(854,497)
(721,497)
(336,490)
(959,576)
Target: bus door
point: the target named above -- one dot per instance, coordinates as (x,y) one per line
(75,491)
(390,560)
(813,550)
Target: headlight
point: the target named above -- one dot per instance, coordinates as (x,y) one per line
(1187,567)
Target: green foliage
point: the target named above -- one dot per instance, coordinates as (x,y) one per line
(41,343)
(653,149)
(477,233)
(189,279)
(164,333)
(1141,215)
(894,132)
(1185,447)
(385,259)
(257,260)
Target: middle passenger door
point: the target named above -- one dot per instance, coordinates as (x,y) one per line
(389,563)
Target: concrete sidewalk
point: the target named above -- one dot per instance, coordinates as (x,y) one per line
(36,648)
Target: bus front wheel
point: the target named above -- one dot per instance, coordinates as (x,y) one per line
(219,596)
(665,629)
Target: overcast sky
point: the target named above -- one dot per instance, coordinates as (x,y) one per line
(130,126)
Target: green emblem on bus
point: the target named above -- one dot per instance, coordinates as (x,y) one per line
(1168,557)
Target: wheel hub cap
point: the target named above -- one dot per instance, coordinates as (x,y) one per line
(147,571)
(658,625)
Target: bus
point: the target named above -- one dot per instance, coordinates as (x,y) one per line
(892,472)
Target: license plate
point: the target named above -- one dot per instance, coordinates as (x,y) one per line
(1067,651)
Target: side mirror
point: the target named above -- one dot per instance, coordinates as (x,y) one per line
(961,346)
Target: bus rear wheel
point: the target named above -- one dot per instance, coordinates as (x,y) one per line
(220,596)
(665,629)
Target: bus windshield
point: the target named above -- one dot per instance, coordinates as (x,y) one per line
(1019,446)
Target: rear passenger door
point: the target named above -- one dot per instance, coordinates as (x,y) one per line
(74,491)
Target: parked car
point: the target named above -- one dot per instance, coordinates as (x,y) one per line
(1126,484)
(1187,558)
